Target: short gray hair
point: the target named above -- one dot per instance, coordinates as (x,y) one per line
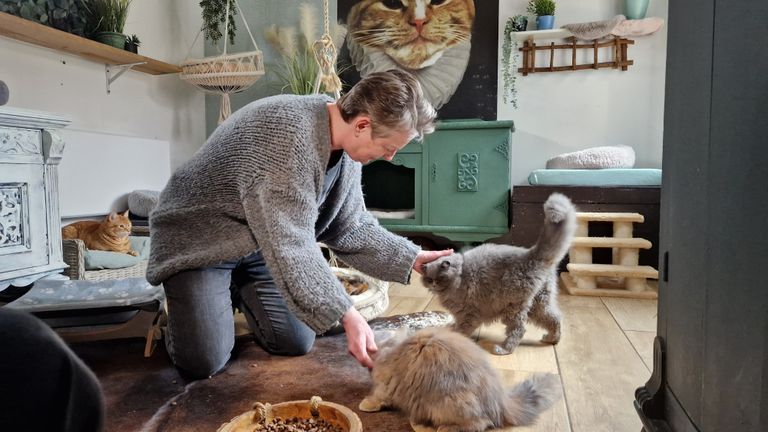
(393,100)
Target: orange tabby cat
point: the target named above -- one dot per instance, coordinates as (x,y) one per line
(111,234)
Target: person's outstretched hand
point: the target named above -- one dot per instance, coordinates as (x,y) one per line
(359,337)
(425,257)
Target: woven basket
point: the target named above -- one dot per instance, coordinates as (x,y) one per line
(74,257)
(315,408)
(374,301)
(230,73)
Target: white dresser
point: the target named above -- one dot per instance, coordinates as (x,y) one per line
(31,148)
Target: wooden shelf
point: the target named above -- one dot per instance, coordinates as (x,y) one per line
(28,31)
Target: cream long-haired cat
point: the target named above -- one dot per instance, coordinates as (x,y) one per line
(428,38)
(444,380)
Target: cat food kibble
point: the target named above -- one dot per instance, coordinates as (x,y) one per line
(295,424)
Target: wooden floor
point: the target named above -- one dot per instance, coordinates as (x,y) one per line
(604,354)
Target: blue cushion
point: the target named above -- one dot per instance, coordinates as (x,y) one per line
(596,177)
(100,260)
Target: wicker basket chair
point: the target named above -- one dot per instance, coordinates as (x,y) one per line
(74,257)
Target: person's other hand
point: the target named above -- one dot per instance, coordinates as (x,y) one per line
(359,337)
(426,257)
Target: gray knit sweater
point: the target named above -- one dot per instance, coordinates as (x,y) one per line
(256,184)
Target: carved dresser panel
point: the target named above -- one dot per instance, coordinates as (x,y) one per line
(30,226)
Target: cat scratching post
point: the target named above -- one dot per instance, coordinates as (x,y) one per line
(624,277)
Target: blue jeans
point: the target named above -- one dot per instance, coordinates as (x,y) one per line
(200,334)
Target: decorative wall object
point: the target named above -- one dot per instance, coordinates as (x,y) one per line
(439,43)
(618,47)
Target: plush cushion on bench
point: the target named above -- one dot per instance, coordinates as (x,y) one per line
(53,295)
(100,260)
(596,177)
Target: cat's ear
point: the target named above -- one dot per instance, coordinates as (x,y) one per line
(125,214)
(112,216)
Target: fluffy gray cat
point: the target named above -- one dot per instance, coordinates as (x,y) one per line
(507,283)
(442,379)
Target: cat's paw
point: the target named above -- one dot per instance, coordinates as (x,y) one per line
(500,350)
(370,404)
(132,253)
(550,338)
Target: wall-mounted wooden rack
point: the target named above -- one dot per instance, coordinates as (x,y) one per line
(28,31)
(618,47)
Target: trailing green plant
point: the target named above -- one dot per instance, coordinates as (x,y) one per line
(509,60)
(214,15)
(65,15)
(105,15)
(541,7)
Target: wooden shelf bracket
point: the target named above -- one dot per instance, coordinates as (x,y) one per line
(123,68)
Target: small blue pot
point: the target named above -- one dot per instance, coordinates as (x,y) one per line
(635,9)
(545,22)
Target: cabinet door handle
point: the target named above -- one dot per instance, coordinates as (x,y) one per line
(433,172)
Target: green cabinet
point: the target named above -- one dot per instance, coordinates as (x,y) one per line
(455,184)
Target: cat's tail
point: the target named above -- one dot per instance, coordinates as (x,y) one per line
(557,232)
(528,399)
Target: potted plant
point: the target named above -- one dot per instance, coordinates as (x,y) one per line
(519,23)
(132,44)
(65,15)
(105,20)
(545,13)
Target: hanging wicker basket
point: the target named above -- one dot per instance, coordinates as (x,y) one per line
(226,73)
(230,73)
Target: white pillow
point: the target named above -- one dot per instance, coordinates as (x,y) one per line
(594,158)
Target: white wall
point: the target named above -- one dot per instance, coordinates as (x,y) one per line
(568,111)
(142,109)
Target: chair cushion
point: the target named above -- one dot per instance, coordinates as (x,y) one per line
(53,295)
(101,260)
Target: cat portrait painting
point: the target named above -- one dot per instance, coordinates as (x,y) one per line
(438,41)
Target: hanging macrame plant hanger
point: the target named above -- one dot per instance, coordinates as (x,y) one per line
(325,56)
(225,73)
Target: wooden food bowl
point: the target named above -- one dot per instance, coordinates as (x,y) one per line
(315,408)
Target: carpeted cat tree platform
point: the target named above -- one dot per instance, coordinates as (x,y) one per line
(149,394)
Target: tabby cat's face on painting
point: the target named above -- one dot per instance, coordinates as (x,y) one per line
(414,33)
